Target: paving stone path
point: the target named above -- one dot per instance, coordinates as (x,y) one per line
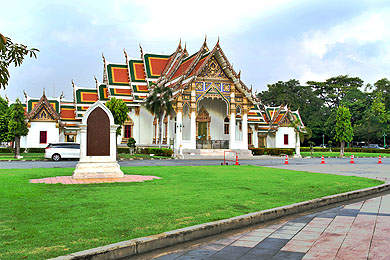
(354,231)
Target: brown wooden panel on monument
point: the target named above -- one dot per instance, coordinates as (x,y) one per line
(98,133)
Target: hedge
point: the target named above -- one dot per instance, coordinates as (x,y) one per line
(156,151)
(22,150)
(347,149)
(149,150)
(272,151)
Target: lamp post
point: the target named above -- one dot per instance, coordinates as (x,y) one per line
(323,141)
(384,139)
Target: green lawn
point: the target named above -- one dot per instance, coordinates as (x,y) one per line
(346,154)
(39,221)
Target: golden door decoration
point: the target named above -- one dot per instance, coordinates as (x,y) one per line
(203,124)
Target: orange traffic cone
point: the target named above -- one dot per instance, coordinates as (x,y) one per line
(237,160)
(323,160)
(286,160)
(380,160)
(352,161)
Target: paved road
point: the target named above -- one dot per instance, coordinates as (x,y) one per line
(364,167)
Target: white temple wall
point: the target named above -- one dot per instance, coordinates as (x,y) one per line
(145,127)
(61,137)
(279,137)
(33,137)
(271,140)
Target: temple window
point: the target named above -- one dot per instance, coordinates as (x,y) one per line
(128,131)
(70,138)
(226,126)
(43,137)
(286,139)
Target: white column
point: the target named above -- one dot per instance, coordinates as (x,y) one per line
(179,133)
(255,137)
(297,145)
(232,131)
(83,142)
(244,131)
(193,130)
(168,134)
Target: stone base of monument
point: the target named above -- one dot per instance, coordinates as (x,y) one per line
(88,170)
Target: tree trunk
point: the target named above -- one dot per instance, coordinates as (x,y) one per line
(17,147)
(160,121)
(342,148)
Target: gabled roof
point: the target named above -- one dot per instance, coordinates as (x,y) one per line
(43,106)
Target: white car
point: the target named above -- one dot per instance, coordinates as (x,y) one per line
(58,151)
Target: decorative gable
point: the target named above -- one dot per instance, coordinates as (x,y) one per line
(43,115)
(213,70)
(43,111)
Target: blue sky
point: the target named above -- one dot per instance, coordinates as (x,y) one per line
(267,40)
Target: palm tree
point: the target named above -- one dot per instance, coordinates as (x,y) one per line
(159,104)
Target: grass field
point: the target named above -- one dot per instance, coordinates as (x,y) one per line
(337,154)
(39,221)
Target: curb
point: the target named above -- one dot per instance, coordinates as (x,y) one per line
(146,244)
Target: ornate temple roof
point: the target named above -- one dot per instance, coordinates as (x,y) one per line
(131,79)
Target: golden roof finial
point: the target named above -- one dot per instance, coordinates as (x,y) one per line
(124,51)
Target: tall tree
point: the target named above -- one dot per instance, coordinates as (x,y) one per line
(17,125)
(334,89)
(383,86)
(12,53)
(159,104)
(119,111)
(4,120)
(344,130)
(296,96)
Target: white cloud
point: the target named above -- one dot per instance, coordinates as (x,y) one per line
(367,28)
(189,20)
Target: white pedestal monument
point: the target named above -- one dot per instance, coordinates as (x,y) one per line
(97,145)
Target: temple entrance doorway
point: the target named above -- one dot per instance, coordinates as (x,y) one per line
(210,124)
(202,131)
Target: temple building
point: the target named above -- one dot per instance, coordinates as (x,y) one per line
(213,108)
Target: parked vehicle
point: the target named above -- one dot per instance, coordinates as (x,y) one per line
(375,146)
(58,151)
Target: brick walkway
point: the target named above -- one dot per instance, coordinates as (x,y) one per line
(354,231)
(69,180)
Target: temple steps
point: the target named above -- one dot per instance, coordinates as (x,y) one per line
(215,154)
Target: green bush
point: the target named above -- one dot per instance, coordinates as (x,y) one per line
(123,150)
(34,150)
(6,150)
(272,151)
(22,150)
(352,150)
(156,151)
